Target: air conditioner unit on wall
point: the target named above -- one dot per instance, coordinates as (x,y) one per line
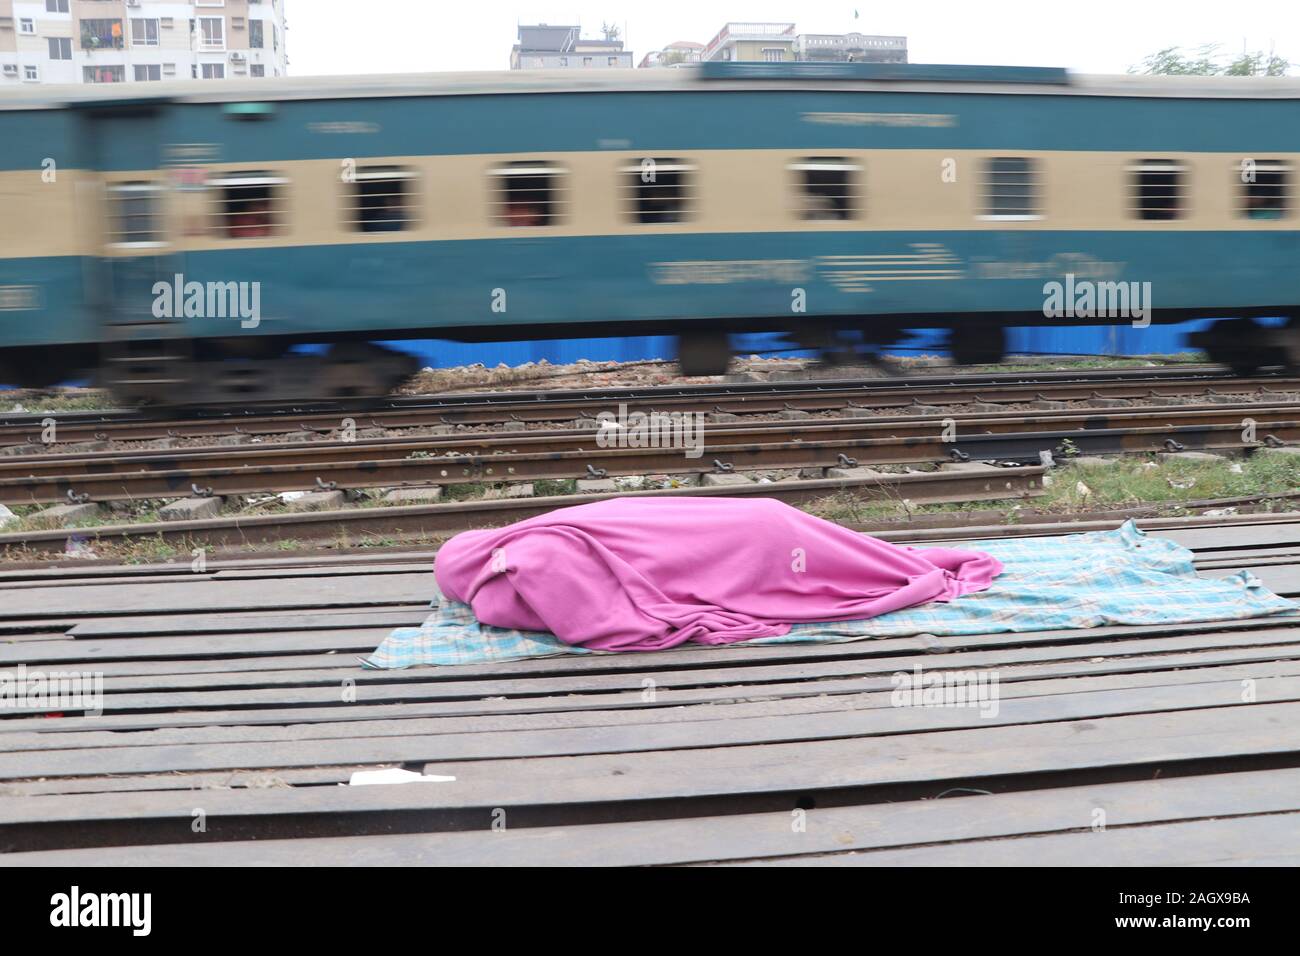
(237,58)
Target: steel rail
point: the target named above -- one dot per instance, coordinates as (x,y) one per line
(828,448)
(411,522)
(571,439)
(751,398)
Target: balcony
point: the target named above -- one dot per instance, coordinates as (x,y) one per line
(101,35)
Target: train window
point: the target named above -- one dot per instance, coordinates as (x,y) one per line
(828,188)
(1011,188)
(383,199)
(248,205)
(658,190)
(1265,189)
(528,194)
(133,215)
(1159,187)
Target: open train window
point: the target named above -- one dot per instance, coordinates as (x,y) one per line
(1159,189)
(248,205)
(383,199)
(528,194)
(658,190)
(828,188)
(1265,189)
(1011,188)
(133,214)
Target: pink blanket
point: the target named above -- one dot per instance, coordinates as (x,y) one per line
(640,574)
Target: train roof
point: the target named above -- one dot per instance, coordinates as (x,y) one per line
(911,77)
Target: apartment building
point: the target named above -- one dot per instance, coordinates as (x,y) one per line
(128,41)
(770,42)
(676,54)
(780,43)
(850,47)
(545,47)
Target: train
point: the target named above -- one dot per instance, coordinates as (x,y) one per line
(241,241)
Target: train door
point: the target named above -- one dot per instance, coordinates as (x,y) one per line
(135,249)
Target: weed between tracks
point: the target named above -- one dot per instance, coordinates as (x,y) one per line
(1090,485)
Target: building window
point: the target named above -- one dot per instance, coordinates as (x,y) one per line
(144,32)
(528,194)
(31,74)
(101,34)
(1011,188)
(27,26)
(658,190)
(60,47)
(256,69)
(1158,189)
(9,69)
(56,6)
(382,199)
(248,205)
(773,54)
(214,71)
(828,188)
(148,71)
(212,33)
(255,34)
(586,61)
(103,74)
(1265,189)
(133,214)
(564,61)
(612,61)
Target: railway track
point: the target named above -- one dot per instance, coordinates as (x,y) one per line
(225,683)
(522,408)
(577,453)
(798,428)
(368,525)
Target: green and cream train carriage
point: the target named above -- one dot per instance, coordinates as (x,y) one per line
(184,238)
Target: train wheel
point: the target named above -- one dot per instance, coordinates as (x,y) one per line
(361,369)
(978,346)
(1241,344)
(1288,345)
(704,353)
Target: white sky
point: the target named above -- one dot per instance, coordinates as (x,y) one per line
(1095,36)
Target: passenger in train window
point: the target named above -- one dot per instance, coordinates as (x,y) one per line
(1259,206)
(253,222)
(821,207)
(524,214)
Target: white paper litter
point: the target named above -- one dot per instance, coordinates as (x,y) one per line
(361,778)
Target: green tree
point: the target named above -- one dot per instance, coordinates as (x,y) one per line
(1208,61)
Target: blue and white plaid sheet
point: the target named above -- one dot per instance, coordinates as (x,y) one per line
(1073,581)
